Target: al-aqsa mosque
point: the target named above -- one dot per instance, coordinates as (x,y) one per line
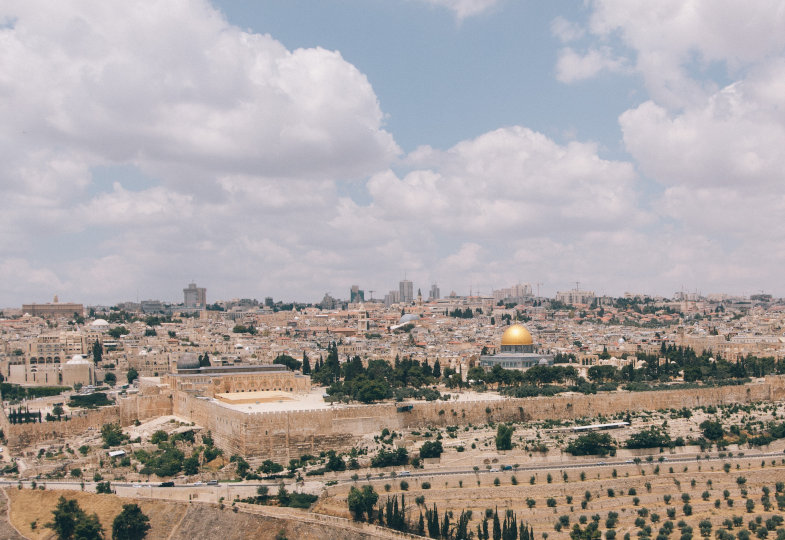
(517,351)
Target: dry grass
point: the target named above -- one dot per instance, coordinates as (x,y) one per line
(598,480)
(29,506)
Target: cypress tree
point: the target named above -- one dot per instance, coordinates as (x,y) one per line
(446,526)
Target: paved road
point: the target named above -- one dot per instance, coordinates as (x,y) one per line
(90,486)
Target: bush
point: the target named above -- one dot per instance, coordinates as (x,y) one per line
(389,459)
(112,435)
(89,401)
(504,437)
(591,444)
(431,449)
(103,487)
(159,436)
(653,437)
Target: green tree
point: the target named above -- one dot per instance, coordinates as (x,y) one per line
(288,361)
(98,351)
(712,429)
(70,522)
(191,465)
(89,528)
(110,379)
(591,444)
(130,524)
(112,434)
(356,504)
(159,436)
(65,515)
(504,437)
(132,375)
(306,364)
(431,449)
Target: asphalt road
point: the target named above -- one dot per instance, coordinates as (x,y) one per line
(77,484)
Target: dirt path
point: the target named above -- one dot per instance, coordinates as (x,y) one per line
(6,529)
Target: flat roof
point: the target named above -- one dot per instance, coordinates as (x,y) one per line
(611,425)
(258,396)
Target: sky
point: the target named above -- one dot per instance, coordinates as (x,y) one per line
(293,148)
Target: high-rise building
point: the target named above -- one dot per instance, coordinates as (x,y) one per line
(195,297)
(392,297)
(575,296)
(356,295)
(435,294)
(516,293)
(406,291)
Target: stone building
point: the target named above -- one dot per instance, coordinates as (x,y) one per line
(211,380)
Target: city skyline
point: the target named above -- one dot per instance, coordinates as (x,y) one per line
(286,149)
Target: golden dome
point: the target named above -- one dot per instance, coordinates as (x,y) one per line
(517,334)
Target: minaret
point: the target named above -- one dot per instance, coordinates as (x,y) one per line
(419,297)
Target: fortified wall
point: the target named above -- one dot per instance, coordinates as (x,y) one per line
(284,435)
(22,435)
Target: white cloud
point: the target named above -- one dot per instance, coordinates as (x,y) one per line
(465,8)
(246,138)
(160,83)
(713,148)
(565,30)
(511,178)
(670,39)
(573,66)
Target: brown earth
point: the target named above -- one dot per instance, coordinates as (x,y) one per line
(176,521)
(462,492)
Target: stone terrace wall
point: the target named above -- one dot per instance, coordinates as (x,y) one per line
(284,435)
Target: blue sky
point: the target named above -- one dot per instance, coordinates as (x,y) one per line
(440,79)
(291,148)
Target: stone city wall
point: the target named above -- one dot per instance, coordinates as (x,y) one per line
(284,435)
(21,435)
(144,407)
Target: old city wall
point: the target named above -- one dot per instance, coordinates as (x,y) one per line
(21,435)
(143,407)
(284,435)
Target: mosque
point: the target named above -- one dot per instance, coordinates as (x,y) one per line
(517,351)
